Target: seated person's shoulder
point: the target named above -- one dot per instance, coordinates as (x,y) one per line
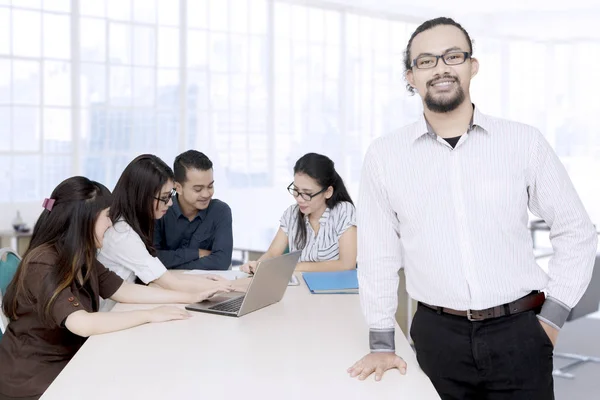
(344,207)
(40,263)
(344,215)
(119,229)
(220,206)
(121,233)
(43,256)
(291,210)
(287,219)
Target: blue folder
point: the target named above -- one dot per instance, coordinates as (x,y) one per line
(342,282)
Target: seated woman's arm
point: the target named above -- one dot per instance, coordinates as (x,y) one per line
(190,283)
(347,256)
(83,323)
(131,293)
(277,247)
(86,324)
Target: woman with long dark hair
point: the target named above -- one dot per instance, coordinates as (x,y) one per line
(53,299)
(322,223)
(142,195)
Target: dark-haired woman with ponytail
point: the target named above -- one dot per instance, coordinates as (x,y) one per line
(53,300)
(322,223)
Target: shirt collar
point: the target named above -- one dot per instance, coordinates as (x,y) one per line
(323,219)
(178,213)
(478,119)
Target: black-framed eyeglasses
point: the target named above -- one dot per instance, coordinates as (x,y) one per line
(167,198)
(305,196)
(431,61)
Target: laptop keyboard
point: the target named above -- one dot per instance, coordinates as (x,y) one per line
(232,305)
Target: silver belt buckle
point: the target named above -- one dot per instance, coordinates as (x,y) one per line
(470,316)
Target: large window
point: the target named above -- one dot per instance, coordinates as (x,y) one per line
(129,81)
(307,54)
(254,84)
(35,97)
(227,85)
(377,101)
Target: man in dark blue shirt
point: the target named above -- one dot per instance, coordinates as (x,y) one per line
(196,231)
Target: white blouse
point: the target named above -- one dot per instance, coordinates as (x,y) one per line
(325,245)
(124,253)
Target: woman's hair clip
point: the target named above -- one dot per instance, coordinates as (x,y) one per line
(48,204)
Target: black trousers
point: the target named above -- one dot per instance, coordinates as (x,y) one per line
(502,358)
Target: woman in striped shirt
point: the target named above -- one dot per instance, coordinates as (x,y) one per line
(322,223)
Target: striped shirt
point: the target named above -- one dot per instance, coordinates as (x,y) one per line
(325,245)
(457,221)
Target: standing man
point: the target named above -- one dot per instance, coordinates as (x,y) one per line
(447,197)
(196,232)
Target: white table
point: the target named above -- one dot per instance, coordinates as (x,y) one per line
(298,348)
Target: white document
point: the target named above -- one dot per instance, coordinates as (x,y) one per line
(231,275)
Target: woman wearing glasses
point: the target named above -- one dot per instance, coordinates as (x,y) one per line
(142,195)
(53,299)
(322,223)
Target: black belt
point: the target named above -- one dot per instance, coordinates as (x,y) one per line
(532,301)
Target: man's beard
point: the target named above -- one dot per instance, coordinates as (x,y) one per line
(445,104)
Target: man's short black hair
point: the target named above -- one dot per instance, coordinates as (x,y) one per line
(191,159)
(432,23)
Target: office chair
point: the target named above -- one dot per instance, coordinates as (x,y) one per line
(9,261)
(587,305)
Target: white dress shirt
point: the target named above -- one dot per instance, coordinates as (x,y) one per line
(457,220)
(124,253)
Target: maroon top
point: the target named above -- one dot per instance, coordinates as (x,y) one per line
(32,353)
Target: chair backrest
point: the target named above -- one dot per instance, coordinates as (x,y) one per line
(591,298)
(9,261)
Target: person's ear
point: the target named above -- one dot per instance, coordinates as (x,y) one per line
(329,192)
(410,78)
(474,67)
(178,187)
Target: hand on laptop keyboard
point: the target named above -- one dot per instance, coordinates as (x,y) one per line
(207,294)
(241,285)
(213,277)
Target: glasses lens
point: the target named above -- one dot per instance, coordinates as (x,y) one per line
(425,62)
(454,58)
(305,196)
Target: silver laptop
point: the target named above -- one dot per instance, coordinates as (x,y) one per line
(267,287)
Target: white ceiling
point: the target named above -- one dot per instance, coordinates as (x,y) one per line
(462,7)
(535,19)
